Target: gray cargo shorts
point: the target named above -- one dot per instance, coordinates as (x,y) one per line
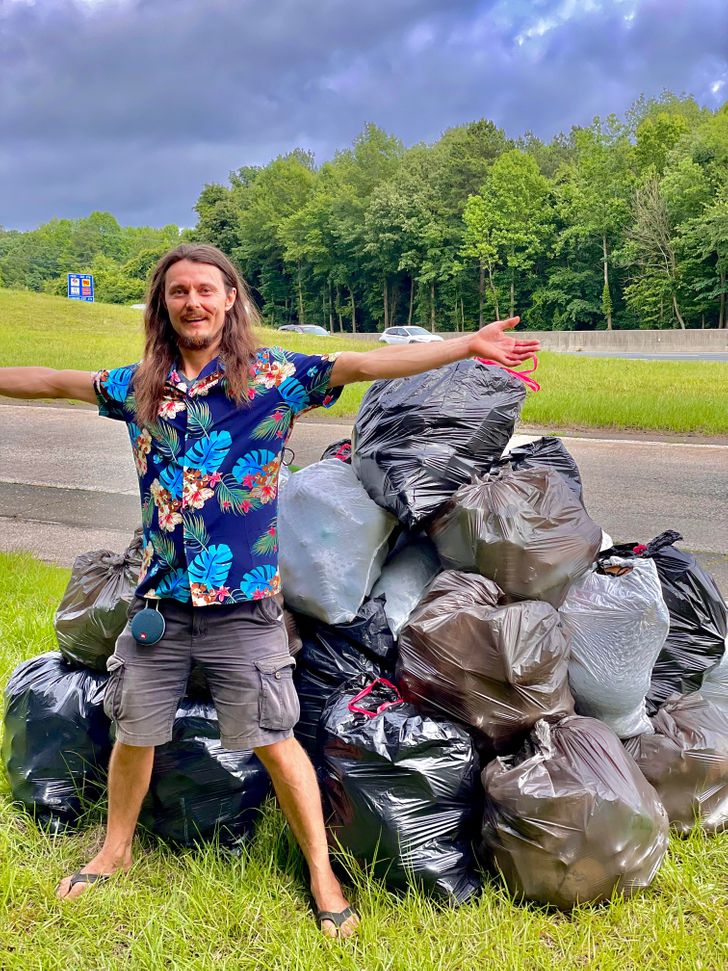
(243,650)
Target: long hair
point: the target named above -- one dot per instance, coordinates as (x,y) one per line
(237,344)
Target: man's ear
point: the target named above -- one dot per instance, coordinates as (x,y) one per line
(230,297)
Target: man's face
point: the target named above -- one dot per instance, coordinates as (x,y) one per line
(196,301)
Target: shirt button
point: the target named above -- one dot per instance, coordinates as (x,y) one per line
(278,675)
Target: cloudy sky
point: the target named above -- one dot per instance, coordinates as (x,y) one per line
(132,105)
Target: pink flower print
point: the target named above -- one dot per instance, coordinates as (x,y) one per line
(277,415)
(246,505)
(170,408)
(222,593)
(251,393)
(197,497)
(214,479)
(168,519)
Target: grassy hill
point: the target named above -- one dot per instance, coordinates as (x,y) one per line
(577,392)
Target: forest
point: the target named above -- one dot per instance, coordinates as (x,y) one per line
(621,224)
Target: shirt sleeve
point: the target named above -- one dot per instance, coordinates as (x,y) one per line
(113,392)
(313,372)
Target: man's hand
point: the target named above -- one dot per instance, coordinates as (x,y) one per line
(493,344)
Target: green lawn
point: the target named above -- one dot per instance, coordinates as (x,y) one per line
(204,910)
(577,392)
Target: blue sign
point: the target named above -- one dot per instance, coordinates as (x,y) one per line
(81,287)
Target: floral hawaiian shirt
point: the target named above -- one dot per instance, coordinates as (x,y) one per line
(208,473)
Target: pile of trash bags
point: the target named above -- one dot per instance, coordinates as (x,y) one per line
(487,684)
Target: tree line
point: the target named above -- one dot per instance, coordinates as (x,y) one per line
(622,224)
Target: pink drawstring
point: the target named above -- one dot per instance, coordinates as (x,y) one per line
(353,707)
(530,383)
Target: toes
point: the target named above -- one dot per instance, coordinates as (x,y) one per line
(63,888)
(347,929)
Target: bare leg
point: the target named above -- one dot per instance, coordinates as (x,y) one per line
(130,770)
(297,790)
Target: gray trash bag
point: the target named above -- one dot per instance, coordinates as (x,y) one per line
(715,684)
(617,625)
(94,608)
(496,667)
(571,819)
(333,541)
(686,760)
(524,529)
(404,578)
(417,439)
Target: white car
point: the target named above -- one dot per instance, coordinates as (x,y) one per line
(408,335)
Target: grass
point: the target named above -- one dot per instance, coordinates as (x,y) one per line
(206,910)
(683,397)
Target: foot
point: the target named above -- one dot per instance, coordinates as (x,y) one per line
(328,897)
(100,867)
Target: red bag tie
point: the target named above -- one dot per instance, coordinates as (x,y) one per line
(530,383)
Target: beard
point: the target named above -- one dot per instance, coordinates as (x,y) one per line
(196,343)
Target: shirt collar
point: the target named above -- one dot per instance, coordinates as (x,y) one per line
(177,378)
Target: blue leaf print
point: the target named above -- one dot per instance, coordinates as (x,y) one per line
(171,478)
(293,393)
(252,464)
(117,383)
(209,453)
(258,579)
(175,585)
(211,567)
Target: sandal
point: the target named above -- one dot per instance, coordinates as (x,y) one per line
(79,877)
(337,918)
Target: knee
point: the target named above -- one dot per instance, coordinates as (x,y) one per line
(281,755)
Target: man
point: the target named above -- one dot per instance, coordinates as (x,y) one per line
(208,415)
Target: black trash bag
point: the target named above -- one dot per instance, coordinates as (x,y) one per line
(497,667)
(571,819)
(200,791)
(686,760)
(57,745)
(417,440)
(94,608)
(698,619)
(332,655)
(548,451)
(338,450)
(524,529)
(402,789)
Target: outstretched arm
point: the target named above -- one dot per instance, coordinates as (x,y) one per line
(490,342)
(45,382)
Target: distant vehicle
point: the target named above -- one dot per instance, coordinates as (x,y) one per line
(408,335)
(306,329)
(138,306)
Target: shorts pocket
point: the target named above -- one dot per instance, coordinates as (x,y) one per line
(278,708)
(114,687)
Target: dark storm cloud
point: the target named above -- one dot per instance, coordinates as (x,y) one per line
(132,105)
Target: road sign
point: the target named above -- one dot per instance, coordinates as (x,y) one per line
(81,287)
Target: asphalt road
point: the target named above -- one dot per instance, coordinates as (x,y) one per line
(67,484)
